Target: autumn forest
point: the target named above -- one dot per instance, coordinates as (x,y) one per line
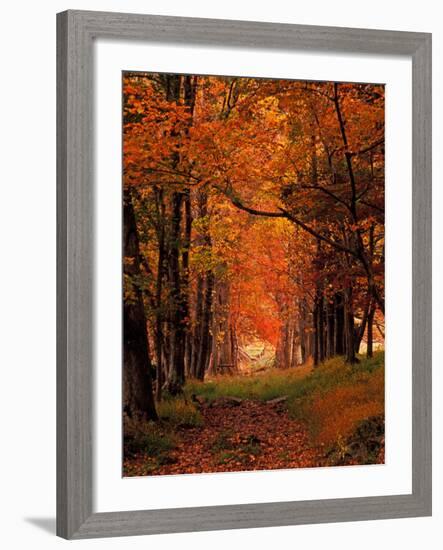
(253,274)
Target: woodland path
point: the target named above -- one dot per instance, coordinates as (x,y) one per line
(240,436)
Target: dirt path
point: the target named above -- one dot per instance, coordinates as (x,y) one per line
(241,436)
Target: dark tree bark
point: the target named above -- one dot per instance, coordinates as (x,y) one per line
(295,345)
(372,306)
(282,352)
(321,328)
(189,88)
(234,345)
(349,327)
(223,360)
(202,338)
(185,276)
(176,377)
(179,276)
(330,326)
(159,290)
(339,324)
(360,331)
(315,335)
(138,396)
(205,336)
(319,353)
(173,83)
(302,329)
(369,336)
(197,325)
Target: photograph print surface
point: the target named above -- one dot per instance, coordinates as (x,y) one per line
(253,274)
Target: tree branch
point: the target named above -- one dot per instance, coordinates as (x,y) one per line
(348,155)
(329,193)
(380,141)
(289,216)
(371,205)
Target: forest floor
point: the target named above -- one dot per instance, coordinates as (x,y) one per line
(277,419)
(236,436)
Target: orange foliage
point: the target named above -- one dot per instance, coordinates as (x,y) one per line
(274,146)
(339,410)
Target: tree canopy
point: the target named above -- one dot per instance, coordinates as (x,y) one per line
(258,213)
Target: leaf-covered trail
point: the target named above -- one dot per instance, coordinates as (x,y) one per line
(237,436)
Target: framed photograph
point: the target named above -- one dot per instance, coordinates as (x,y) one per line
(244,274)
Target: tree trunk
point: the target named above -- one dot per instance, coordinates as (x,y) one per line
(197,325)
(315,334)
(330,325)
(369,351)
(159,290)
(339,324)
(302,329)
(178,318)
(138,396)
(185,278)
(321,329)
(372,306)
(283,346)
(234,345)
(362,328)
(202,345)
(223,358)
(349,327)
(205,335)
(189,88)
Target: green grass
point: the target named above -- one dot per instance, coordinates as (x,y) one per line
(156,440)
(226,450)
(223,442)
(263,387)
(176,412)
(148,438)
(295,383)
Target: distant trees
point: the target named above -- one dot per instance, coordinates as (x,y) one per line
(259,211)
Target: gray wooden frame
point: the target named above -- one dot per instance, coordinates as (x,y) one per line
(76,31)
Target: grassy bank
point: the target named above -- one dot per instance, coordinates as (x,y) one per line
(331,399)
